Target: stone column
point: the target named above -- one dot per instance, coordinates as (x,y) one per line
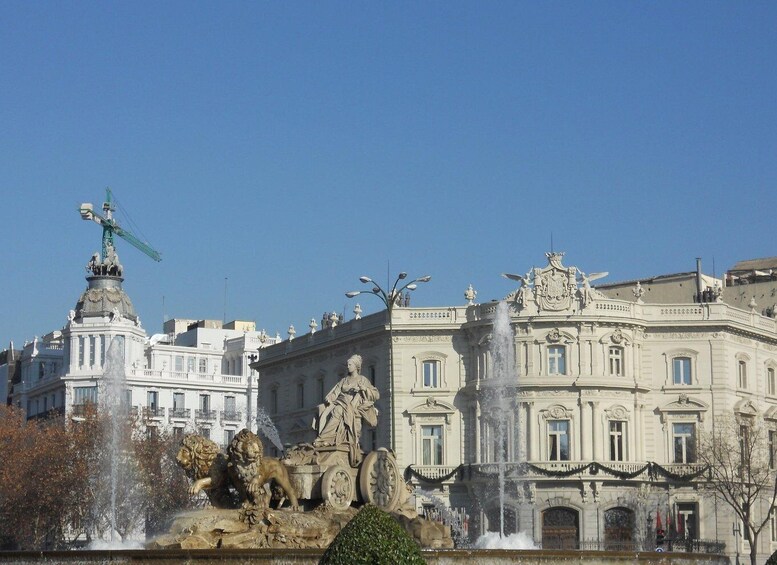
(596,455)
(532,437)
(585,434)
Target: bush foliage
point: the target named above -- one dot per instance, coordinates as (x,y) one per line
(772,559)
(373,537)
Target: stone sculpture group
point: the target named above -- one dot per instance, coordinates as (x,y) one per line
(247,489)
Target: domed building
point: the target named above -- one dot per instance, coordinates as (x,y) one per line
(193,377)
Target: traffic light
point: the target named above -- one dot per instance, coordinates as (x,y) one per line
(660,537)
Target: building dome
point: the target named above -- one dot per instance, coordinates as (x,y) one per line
(105,297)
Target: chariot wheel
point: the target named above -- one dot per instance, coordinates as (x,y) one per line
(337,487)
(380,481)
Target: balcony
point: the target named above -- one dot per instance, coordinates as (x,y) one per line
(446,473)
(231,416)
(589,470)
(153,412)
(179,413)
(207,415)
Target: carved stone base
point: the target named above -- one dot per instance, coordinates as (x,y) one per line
(213,528)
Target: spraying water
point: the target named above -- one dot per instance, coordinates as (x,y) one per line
(498,395)
(266,426)
(448,516)
(117,462)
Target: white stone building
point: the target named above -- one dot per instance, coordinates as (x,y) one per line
(608,396)
(194,377)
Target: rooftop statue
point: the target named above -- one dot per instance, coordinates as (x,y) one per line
(339,420)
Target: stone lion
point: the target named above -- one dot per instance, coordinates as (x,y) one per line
(251,471)
(207,467)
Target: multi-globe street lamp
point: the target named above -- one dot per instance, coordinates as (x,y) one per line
(390,299)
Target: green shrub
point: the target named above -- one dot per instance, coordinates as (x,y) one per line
(373,538)
(772,560)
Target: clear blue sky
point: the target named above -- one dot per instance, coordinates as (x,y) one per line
(294,146)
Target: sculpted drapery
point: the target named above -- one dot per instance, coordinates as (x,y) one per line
(339,420)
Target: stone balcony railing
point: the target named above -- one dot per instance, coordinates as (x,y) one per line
(153,412)
(231,416)
(188,376)
(179,413)
(205,415)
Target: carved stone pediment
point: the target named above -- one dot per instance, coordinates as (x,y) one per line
(745,407)
(686,405)
(617,412)
(557,412)
(431,407)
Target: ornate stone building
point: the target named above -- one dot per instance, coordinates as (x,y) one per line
(193,377)
(590,433)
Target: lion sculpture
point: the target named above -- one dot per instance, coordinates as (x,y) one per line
(207,467)
(251,471)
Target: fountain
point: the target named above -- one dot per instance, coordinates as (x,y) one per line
(265,425)
(117,461)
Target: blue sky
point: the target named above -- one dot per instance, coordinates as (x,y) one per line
(291,147)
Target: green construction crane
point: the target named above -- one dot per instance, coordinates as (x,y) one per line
(110,227)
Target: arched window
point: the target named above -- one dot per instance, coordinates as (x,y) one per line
(560,528)
(619,529)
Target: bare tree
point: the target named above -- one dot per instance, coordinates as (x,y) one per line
(741,462)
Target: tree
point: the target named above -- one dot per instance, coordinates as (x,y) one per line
(55,485)
(741,460)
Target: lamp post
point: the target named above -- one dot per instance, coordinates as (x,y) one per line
(735,529)
(390,299)
(249,416)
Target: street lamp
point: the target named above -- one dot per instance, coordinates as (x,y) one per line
(390,299)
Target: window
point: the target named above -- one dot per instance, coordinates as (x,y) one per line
(686,520)
(127,398)
(84,394)
(92,350)
(120,346)
(228,435)
(616,361)
(81,350)
(190,361)
(558,440)
(431,374)
(742,374)
(205,402)
(616,441)
(203,365)
(300,395)
(179,401)
(681,370)
(205,432)
(230,406)
(274,401)
(103,348)
(744,444)
(41,369)
(771,385)
(321,390)
(177,432)
(684,441)
(772,446)
(431,445)
(557,360)
(179,363)
(153,400)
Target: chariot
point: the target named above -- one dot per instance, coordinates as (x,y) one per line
(325,474)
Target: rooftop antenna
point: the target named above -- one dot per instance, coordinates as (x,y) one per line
(224,321)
